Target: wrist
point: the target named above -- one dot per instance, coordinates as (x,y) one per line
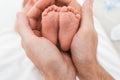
(94,72)
(59,77)
(104,75)
(64,73)
(50,77)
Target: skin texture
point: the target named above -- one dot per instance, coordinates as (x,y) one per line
(46,56)
(83,48)
(68,24)
(50,23)
(36,25)
(66,19)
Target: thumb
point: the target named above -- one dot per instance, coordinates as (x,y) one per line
(87,14)
(23,27)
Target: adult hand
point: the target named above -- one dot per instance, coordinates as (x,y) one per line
(84,48)
(57,2)
(54,64)
(33,9)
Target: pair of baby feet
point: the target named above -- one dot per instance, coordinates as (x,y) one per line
(59,25)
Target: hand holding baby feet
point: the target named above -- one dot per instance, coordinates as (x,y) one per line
(60,24)
(54,64)
(43,53)
(34,9)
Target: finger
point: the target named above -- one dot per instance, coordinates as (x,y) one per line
(25,2)
(37,9)
(23,27)
(35,12)
(87,14)
(27,5)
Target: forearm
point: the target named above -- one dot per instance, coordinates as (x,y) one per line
(95,72)
(60,77)
(103,75)
(61,74)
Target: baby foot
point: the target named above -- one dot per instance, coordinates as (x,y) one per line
(50,23)
(68,22)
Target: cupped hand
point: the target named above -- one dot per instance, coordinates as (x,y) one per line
(84,48)
(43,53)
(84,44)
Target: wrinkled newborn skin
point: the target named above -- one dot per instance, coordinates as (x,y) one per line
(61,23)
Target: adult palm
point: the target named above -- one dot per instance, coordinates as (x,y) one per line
(43,53)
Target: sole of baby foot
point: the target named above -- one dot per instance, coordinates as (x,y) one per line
(50,23)
(68,23)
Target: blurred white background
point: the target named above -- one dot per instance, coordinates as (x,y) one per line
(8,9)
(14,65)
(109,18)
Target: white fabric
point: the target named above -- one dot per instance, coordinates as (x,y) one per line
(115,34)
(14,65)
(107,55)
